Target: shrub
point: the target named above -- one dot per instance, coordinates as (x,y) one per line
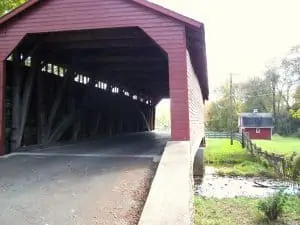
(273,206)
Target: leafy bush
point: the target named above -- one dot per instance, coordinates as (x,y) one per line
(273,206)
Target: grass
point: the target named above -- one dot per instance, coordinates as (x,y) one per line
(241,211)
(233,160)
(280,145)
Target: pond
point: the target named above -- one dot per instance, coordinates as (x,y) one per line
(213,185)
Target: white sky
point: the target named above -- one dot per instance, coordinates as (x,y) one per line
(242,36)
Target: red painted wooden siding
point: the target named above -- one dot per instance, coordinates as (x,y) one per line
(265,133)
(196,107)
(64,15)
(2,108)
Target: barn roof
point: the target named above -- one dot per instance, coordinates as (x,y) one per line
(256,120)
(194,32)
(262,115)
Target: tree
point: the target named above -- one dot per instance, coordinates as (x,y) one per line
(8,5)
(272,92)
(218,112)
(297,97)
(290,74)
(257,94)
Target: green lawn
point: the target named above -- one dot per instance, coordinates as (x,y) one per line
(232,159)
(241,211)
(280,145)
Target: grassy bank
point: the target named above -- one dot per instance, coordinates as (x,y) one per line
(233,159)
(280,145)
(241,211)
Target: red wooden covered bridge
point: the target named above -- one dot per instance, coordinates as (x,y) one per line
(71,69)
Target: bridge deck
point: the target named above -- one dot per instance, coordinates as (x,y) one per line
(79,184)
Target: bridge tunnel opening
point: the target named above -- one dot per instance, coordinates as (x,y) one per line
(76,85)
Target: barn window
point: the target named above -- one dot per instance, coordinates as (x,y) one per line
(257,130)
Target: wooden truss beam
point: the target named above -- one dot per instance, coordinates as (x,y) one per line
(104,34)
(102,44)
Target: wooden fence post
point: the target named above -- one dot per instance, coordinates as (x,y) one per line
(243,140)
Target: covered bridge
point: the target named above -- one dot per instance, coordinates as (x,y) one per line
(73,69)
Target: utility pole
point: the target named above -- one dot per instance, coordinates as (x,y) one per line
(231,111)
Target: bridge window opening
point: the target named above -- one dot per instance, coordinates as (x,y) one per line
(76,79)
(115,90)
(55,70)
(61,72)
(49,68)
(28,61)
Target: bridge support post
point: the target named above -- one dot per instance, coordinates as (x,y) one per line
(2,107)
(199,162)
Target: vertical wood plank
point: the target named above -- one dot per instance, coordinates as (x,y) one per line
(41,116)
(2,107)
(16,89)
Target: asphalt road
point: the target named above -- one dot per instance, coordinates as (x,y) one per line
(102,182)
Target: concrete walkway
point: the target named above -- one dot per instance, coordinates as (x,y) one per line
(102,182)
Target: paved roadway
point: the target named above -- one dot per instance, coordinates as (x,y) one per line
(99,182)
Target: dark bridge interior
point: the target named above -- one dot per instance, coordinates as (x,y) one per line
(79,84)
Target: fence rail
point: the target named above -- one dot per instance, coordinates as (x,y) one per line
(282,166)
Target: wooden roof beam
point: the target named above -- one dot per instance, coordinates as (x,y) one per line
(102,44)
(62,37)
(121,59)
(105,52)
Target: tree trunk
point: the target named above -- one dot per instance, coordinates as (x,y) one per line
(274,104)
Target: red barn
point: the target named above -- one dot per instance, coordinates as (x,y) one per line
(256,125)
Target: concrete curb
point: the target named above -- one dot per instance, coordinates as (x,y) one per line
(155,158)
(170,199)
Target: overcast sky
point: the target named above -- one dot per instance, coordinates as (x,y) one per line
(242,36)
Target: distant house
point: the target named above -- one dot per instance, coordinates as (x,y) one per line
(256,125)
